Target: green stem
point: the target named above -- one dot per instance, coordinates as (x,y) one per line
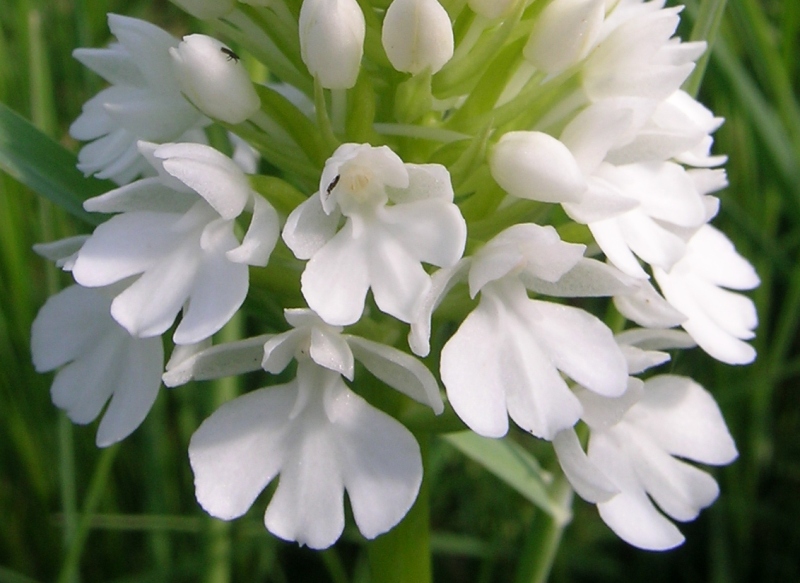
(69,570)
(544,538)
(403,554)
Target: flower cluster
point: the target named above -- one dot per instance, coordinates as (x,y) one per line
(484,182)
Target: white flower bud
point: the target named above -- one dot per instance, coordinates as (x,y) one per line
(205,9)
(417,34)
(564,34)
(332,41)
(491,8)
(537,166)
(211,77)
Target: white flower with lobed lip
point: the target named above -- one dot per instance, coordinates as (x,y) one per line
(176,233)
(396,216)
(632,457)
(332,41)
(97,360)
(506,357)
(143,103)
(316,433)
(717,319)
(212,78)
(417,35)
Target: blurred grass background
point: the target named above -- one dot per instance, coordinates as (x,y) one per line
(71,512)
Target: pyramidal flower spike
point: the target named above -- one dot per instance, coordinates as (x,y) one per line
(332,41)
(143,103)
(409,154)
(213,79)
(417,35)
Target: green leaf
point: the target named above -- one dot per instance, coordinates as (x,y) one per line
(46,167)
(513,465)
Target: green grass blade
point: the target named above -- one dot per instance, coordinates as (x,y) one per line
(44,166)
(514,466)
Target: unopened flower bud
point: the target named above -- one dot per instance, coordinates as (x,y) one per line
(206,9)
(332,41)
(564,33)
(537,166)
(417,34)
(211,77)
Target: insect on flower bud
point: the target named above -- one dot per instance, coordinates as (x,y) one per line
(211,77)
(332,41)
(417,34)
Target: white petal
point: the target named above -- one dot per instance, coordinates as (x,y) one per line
(471,370)
(608,235)
(398,370)
(279,350)
(585,478)
(114,64)
(135,389)
(425,182)
(630,514)
(442,281)
(332,352)
(237,451)
(713,255)
(683,418)
(430,230)
(380,461)
(583,347)
(308,504)
(603,412)
(77,313)
(210,173)
(124,245)
(147,194)
(595,130)
(588,278)
(260,238)
(336,280)
(308,228)
(63,252)
(680,490)
(231,358)
(603,200)
(650,241)
(647,308)
(397,279)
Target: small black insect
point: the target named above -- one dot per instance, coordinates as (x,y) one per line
(231,55)
(332,185)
